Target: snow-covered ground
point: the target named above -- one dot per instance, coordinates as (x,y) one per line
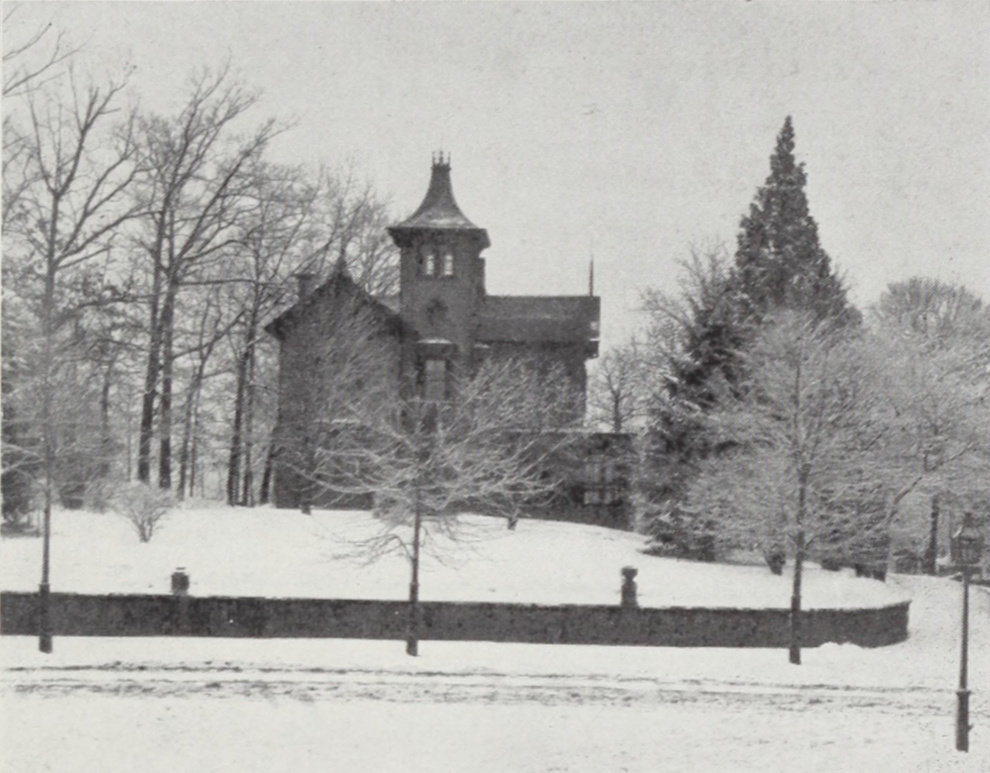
(108,705)
(281,553)
(120,705)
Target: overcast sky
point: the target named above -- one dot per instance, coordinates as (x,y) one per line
(630,131)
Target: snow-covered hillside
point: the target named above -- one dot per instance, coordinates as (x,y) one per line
(281,553)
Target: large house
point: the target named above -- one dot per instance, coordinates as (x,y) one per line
(443,320)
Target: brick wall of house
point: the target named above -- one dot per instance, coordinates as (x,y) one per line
(336,360)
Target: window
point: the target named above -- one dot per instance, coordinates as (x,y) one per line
(436,260)
(435,380)
(428,261)
(604,481)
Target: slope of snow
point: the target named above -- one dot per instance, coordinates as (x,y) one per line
(282,553)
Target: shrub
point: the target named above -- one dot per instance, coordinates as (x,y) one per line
(676,534)
(143,506)
(17,488)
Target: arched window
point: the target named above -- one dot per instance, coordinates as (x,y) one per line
(448,262)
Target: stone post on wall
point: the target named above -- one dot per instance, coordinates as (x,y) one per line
(180,591)
(629,600)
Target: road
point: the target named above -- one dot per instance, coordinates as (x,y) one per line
(120,717)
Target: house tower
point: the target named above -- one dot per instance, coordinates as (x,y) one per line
(442,274)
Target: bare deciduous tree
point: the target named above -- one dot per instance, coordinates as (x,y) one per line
(937,337)
(429,461)
(67,216)
(278,223)
(195,182)
(798,448)
(33,60)
(351,227)
(617,398)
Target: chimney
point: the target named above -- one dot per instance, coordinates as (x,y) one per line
(306,281)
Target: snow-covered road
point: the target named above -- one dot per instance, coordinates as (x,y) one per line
(225,681)
(222,718)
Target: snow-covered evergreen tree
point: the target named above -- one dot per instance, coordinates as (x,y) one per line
(779,261)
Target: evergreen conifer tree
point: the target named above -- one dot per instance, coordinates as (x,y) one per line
(779,266)
(779,262)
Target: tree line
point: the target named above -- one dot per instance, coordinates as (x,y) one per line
(143,251)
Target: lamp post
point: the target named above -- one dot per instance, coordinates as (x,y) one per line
(967,549)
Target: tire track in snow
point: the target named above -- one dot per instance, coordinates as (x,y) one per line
(311,685)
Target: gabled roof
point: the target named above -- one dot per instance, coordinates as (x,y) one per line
(339,285)
(439,210)
(539,319)
(393,302)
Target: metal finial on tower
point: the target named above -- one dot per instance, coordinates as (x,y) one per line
(591,269)
(439,210)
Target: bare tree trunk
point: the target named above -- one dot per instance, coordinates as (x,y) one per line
(193,461)
(616,413)
(412,636)
(799,548)
(48,430)
(308,489)
(165,406)
(106,437)
(233,466)
(147,427)
(130,440)
(195,471)
(795,617)
(247,497)
(192,396)
(266,476)
(931,554)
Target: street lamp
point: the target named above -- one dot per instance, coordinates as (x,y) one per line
(967,550)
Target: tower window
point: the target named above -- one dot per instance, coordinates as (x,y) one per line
(436,261)
(435,380)
(428,261)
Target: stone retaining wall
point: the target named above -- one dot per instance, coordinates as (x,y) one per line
(166,615)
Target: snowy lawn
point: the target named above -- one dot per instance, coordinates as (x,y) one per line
(282,553)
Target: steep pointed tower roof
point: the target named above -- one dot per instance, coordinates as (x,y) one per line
(439,210)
